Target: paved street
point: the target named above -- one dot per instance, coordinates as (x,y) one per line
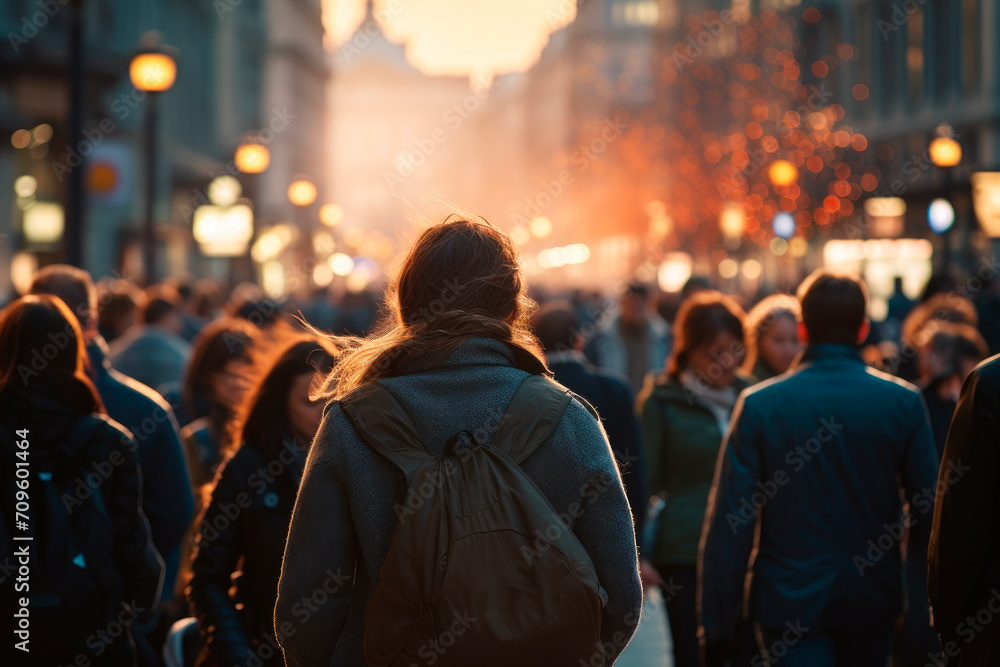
(651,645)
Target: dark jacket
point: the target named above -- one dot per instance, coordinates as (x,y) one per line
(344,517)
(815,457)
(964,553)
(167,499)
(243,532)
(110,470)
(611,396)
(681,439)
(151,355)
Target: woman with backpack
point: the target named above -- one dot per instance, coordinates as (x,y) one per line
(458,506)
(685,413)
(244,526)
(71,520)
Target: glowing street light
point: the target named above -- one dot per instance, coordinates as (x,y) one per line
(783,173)
(252,157)
(940,216)
(152,70)
(732,221)
(945,151)
(331,215)
(302,192)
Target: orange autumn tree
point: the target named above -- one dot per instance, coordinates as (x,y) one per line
(733,97)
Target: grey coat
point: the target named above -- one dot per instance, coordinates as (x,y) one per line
(344,518)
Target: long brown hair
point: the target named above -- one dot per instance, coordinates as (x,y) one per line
(261,419)
(760,318)
(42,353)
(702,317)
(461,278)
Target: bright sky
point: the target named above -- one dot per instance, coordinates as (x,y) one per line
(460,37)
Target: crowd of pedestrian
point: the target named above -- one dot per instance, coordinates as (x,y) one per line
(480,476)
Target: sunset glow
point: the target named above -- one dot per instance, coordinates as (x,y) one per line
(458,37)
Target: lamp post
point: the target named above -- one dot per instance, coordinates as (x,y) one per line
(946,153)
(302,193)
(153,71)
(252,158)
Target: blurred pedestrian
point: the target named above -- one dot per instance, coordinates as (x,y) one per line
(243,529)
(945,360)
(119,311)
(920,325)
(964,553)
(685,413)
(89,560)
(772,337)
(455,349)
(153,352)
(558,330)
(167,498)
(634,342)
(809,481)
(214,382)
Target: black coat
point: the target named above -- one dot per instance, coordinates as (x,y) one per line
(167,499)
(964,552)
(110,469)
(243,532)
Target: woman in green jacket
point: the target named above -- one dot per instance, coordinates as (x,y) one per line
(685,413)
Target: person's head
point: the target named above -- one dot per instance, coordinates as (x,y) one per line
(75,287)
(834,307)
(634,304)
(940,309)
(557,326)
(708,339)
(950,349)
(773,333)
(281,402)
(215,374)
(460,278)
(119,307)
(162,309)
(42,353)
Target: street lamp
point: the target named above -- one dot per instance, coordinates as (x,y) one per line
(302,192)
(946,153)
(153,71)
(252,156)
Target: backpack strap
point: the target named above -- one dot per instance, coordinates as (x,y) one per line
(531,417)
(385,427)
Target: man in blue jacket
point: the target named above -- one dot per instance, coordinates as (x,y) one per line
(809,478)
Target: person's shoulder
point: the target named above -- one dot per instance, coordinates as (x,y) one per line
(890,383)
(106,430)
(989,370)
(143,396)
